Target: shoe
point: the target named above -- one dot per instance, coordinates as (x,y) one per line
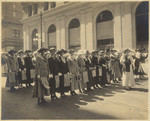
(71,93)
(55,97)
(63,95)
(38,103)
(14,88)
(80,91)
(43,100)
(74,93)
(52,98)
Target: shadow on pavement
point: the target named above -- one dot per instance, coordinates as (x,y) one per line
(21,105)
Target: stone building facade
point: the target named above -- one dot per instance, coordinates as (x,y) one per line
(89,25)
(12,35)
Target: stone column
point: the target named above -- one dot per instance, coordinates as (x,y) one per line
(58,41)
(117,27)
(63,33)
(82,31)
(127,26)
(89,30)
(24,39)
(28,39)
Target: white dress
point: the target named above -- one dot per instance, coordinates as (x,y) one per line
(128,77)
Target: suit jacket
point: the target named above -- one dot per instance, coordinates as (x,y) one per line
(53,64)
(21,66)
(28,63)
(64,69)
(95,61)
(88,63)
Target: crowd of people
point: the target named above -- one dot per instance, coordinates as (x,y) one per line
(52,71)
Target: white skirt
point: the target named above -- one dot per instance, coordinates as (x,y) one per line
(128,78)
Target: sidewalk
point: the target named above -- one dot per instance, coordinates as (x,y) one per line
(107,103)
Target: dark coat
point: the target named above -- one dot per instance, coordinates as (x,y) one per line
(28,65)
(41,67)
(53,64)
(88,63)
(63,67)
(21,66)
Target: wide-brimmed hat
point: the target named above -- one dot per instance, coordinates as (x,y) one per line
(42,50)
(127,50)
(62,51)
(28,51)
(52,49)
(20,51)
(71,51)
(113,50)
(81,52)
(11,51)
(94,51)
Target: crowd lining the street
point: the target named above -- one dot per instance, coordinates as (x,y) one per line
(53,71)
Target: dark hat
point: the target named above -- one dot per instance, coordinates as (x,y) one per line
(127,50)
(95,52)
(113,51)
(52,48)
(42,50)
(71,51)
(61,51)
(28,51)
(20,51)
(11,51)
(87,52)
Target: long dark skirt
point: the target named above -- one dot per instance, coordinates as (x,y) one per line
(90,83)
(52,84)
(39,90)
(104,76)
(28,74)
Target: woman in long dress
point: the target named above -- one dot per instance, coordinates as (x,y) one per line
(82,69)
(12,71)
(127,76)
(41,87)
(74,71)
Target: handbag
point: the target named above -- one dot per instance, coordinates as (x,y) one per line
(66,80)
(100,71)
(57,81)
(85,77)
(93,72)
(32,73)
(23,74)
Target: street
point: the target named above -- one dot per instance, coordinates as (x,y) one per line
(107,103)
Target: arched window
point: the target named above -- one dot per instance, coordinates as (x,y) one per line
(29,10)
(52,36)
(35,40)
(104,30)
(46,6)
(35,9)
(142,25)
(53,4)
(74,33)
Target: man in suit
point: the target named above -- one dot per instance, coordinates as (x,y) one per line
(53,63)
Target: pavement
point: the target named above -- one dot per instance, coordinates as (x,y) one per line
(106,103)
